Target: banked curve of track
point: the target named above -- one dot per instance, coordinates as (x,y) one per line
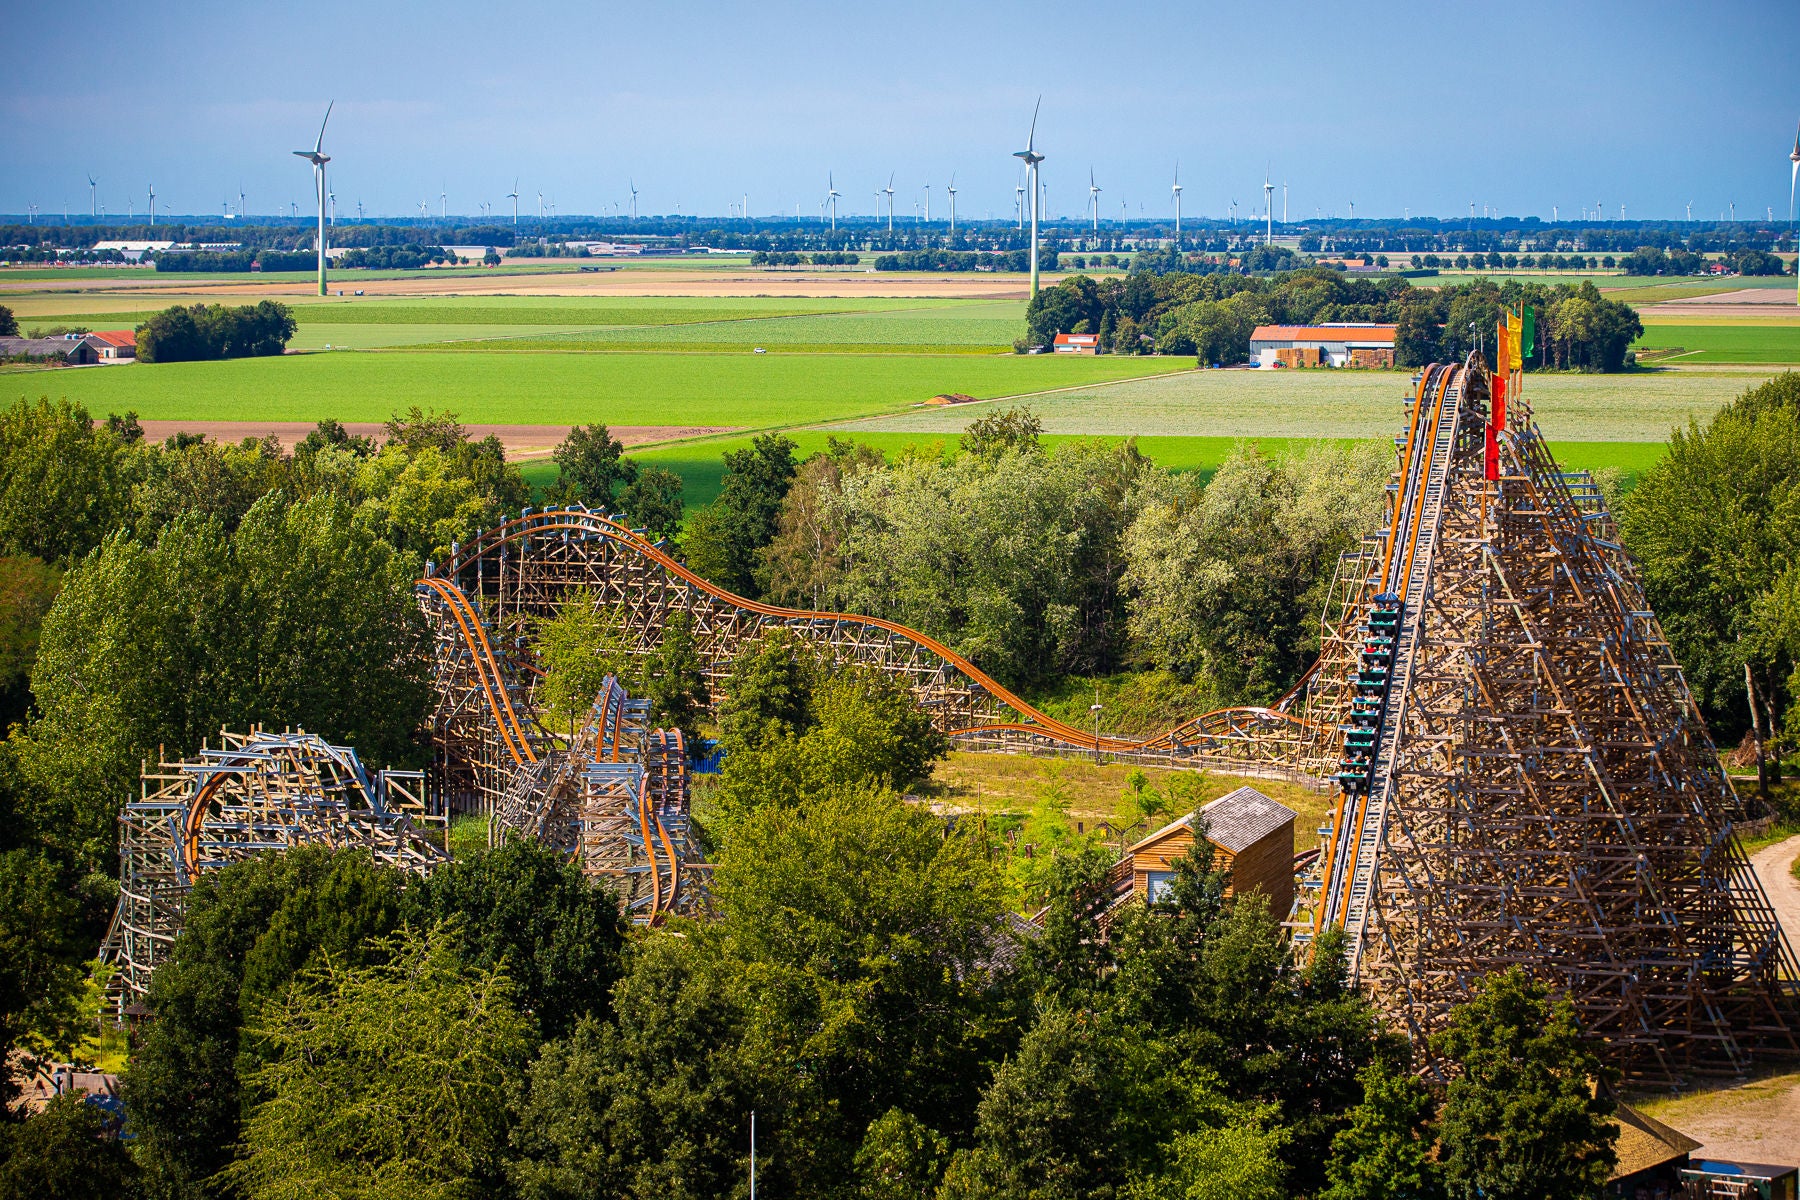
(1223,727)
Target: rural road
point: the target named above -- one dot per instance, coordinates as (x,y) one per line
(1758,1121)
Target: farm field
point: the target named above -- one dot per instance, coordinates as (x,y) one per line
(1724,343)
(1641,407)
(757,391)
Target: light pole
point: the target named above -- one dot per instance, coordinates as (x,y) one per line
(1095,709)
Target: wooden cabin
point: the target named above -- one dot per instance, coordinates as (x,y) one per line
(1252,836)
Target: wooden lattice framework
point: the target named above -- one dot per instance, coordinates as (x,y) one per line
(1543,791)
(252,793)
(526,568)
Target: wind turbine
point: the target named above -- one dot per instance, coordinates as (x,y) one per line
(1032,159)
(1019,204)
(331,197)
(832,194)
(242,210)
(514,197)
(889,192)
(1176,192)
(928,204)
(952,190)
(1284,202)
(633,185)
(443,201)
(1793,178)
(152,208)
(1094,200)
(540,205)
(93,196)
(318,158)
(1269,210)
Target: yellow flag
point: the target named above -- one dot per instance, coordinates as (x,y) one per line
(1508,359)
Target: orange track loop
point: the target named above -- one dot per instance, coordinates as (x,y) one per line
(570,521)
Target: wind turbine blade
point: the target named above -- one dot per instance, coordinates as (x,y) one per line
(320,144)
(1031,141)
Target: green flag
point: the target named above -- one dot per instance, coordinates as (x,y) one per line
(1529,336)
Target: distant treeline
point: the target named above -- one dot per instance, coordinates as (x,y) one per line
(389,258)
(792,258)
(964,260)
(236,260)
(1212,315)
(203,332)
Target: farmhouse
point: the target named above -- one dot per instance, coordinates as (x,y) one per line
(1077,343)
(114,345)
(1349,344)
(1251,835)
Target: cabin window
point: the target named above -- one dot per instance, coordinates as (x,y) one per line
(1160,886)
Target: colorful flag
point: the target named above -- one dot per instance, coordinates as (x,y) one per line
(1529,333)
(1496,422)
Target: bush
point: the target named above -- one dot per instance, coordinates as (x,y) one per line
(206,332)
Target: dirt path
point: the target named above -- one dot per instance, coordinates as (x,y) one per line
(1760,1121)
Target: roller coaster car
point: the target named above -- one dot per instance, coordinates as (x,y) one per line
(1374,677)
(1365,711)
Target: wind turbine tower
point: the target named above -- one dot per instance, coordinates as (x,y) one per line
(1019,204)
(831,194)
(443,201)
(152,209)
(318,158)
(93,196)
(1094,200)
(242,210)
(928,204)
(1032,159)
(1176,192)
(1269,210)
(889,192)
(952,190)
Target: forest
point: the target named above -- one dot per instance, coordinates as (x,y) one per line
(867,988)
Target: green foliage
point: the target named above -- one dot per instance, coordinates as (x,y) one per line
(203,332)
(60,485)
(42,945)
(60,1154)
(301,618)
(388,1080)
(1714,527)
(9,324)
(768,693)
(672,680)
(522,909)
(201,478)
(28,586)
(1014,561)
(578,648)
(901,1158)
(722,541)
(1522,1118)
(1228,581)
(1240,1160)
(653,502)
(250,929)
(1385,1152)
(804,561)
(593,466)
(1014,431)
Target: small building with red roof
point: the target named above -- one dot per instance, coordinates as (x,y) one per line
(114,345)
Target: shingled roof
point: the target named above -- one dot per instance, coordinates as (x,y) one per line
(1235,821)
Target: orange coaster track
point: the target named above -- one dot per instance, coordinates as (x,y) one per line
(524,568)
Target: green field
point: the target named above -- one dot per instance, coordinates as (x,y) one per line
(1638,407)
(755,391)
(1685,344)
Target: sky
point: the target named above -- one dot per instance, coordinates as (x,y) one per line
(1397,108)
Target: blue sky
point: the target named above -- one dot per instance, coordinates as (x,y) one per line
(1411,106)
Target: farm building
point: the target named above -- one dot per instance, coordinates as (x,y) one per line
(74,351)
(1251,835)
(1077,343)
(114,345)
(1337,345)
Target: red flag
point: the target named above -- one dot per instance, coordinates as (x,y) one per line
(1496,422)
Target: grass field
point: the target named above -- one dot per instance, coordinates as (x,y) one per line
(757,391)
(1710,343)
(1642,406)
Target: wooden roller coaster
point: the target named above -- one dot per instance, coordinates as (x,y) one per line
(1521,776)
